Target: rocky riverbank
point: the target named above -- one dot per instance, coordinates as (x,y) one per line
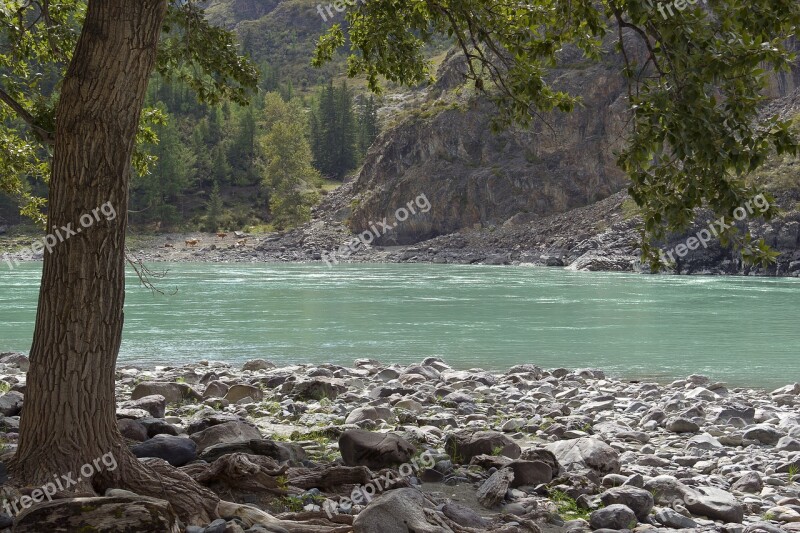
(601,237)
(425,448)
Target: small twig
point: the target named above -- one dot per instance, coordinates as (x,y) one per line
(145,273)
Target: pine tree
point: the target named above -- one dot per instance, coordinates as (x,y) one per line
(213,209)
(368,125)
(334,132)
(347,133)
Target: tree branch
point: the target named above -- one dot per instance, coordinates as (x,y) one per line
(46,136)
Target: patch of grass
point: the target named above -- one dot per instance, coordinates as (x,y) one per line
(793,470)
(568,507)
(292,503)
(629,209)
(259,228)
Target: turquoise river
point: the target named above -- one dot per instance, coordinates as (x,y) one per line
(743,331)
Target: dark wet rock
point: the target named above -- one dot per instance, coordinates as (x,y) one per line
(530,473)
(314,389)
(614,517)
(374,450)
(229,432)
(465,444)
(177,451)
(638,500)
(280,451)
(131,429)
(11,403)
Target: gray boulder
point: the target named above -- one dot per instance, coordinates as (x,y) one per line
(155,404)
(464,516)
(360,414)
(397,511)
(258,364)
(241,391)
(131,429)
(215,389)
(673,519)
(374,450)
(177,451)
(750,483)
(172,392)
(638,500)
(229,432)
(715,504)
(464,445)
(763,433)
(615,516)
(101,514)
(315,388)
(586,452)
(11,403)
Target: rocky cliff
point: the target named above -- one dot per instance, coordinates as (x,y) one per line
(444,148)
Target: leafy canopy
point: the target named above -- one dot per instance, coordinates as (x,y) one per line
(696,82)
(37,38)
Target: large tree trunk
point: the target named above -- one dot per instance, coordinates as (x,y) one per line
(69,417)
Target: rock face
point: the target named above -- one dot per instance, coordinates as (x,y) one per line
(467,444)
(99,514)
(584,453)
(472,176)
(374,450)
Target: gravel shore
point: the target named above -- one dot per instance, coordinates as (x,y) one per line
(464,450)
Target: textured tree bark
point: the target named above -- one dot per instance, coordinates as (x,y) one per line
(69,417)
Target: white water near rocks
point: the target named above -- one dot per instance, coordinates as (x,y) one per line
(743,331)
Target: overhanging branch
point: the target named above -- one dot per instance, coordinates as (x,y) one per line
(46,136)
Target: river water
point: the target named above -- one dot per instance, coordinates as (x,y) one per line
(743,331)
